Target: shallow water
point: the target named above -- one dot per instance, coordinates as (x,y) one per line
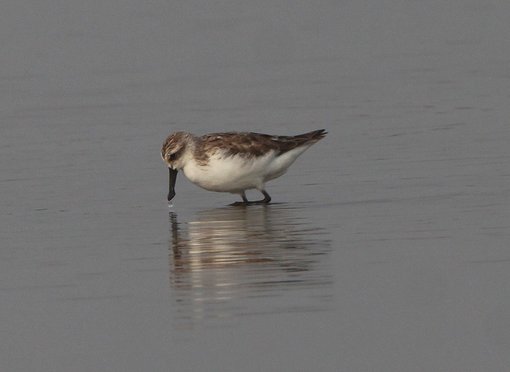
(386,247)
(229,263)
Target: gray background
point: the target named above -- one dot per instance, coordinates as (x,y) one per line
(386,249)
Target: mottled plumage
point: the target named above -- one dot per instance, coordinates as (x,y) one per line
(233,162)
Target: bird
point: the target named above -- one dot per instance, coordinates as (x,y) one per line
(233,162)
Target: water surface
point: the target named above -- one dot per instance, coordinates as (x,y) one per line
(386,247)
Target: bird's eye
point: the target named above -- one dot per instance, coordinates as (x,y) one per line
(175,155)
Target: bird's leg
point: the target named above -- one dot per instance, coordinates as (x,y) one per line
(245,201)
(266,199)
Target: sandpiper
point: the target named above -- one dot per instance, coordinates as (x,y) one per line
(233,162)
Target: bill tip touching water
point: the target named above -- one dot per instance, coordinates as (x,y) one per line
(233,162)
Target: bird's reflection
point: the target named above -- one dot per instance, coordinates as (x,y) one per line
(231,262)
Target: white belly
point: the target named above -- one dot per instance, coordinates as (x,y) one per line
(236,173)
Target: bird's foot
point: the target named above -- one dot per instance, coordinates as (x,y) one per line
(246,202)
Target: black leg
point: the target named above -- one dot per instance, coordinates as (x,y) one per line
(266,200)
(244,202)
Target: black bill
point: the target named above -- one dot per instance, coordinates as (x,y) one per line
(172,173)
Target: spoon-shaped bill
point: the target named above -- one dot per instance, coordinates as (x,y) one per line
(172,177)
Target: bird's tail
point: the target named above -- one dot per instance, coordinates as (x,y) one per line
(313,136)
